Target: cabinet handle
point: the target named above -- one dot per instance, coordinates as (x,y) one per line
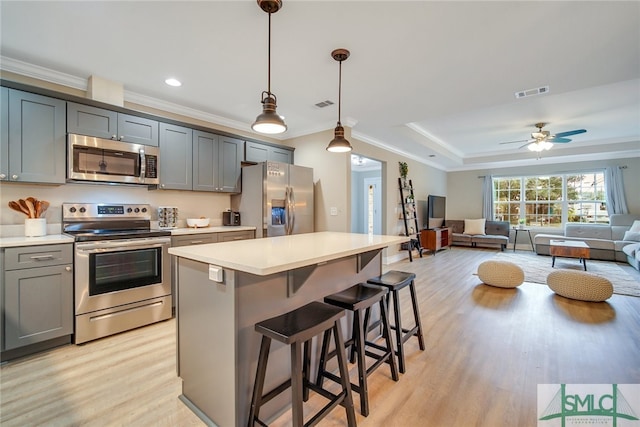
(2,176)
(114,137)
(194,242)
(121,138)
(14,176)
(67,268)
(41,257)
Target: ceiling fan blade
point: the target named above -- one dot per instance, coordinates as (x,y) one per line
(569,133)
(522,140)
(561,140)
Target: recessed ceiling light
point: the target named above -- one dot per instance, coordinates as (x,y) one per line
(173,82)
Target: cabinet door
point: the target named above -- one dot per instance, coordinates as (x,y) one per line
(4,133)
(137,130)
(176,157)
(194,239)
(229,236)
(255,152)
(205,161)
(36,138)
(280,155)
(38,305)
(229,164)
(92,121)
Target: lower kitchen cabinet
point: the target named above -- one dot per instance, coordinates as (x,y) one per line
(37,295)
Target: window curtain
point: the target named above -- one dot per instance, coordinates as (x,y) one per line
(487,198)
(616,202)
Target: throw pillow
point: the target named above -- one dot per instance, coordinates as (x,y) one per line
(632,236)
(635,227)
(474,226)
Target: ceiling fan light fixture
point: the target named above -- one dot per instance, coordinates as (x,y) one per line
(269,121)
(539,146)
(339,144)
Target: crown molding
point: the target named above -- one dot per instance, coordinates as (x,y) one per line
(41,73)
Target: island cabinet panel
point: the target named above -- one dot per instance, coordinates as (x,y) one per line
(217,343)
(176,157)
(35,142)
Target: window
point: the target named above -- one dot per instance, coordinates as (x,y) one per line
(551,201)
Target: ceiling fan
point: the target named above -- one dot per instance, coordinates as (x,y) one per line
(544,140)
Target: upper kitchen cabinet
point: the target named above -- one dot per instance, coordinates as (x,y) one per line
(32,139)
(101,123)
(216,162)
(257,152)
(176,148)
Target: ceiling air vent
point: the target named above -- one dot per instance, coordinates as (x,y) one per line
(532,92)
(324,104)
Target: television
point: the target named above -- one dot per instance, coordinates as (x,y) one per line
(436,211)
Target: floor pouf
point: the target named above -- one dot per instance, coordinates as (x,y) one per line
(580,285)
(503,274)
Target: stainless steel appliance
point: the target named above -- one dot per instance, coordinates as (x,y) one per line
(230,218)
(276,198)
(122,269)
(105,160)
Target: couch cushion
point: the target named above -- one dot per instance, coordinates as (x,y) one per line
(632,236)
(588,231)
(474,226)
(490,239)
(635,227)
(631,249)
(460,238)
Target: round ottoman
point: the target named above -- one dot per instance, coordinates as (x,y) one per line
(503,274)
(580,285)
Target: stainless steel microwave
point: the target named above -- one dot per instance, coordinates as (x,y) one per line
(104,160)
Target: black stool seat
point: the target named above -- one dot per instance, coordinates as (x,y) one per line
(356,299)
(394,281)
(296,328)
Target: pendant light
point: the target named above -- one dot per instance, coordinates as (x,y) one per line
(339,144)
(269,122)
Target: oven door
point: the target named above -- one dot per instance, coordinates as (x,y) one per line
(117,272)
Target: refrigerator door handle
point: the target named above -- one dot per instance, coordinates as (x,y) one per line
(292,210)
(287,210)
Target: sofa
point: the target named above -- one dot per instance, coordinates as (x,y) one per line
(606,242)
(496,234)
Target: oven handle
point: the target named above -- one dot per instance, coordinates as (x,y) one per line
(119,245)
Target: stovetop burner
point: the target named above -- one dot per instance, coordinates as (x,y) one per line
(94,221)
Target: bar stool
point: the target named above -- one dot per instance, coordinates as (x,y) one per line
(356,299)
(394,281)
(297,328)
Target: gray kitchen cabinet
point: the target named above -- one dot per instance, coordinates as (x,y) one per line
(176,158)
(216,162)
(257,152)
(229,236)
(37,293)
(4,134)
(33,138)
(102,123)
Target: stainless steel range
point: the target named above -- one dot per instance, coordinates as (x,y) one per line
(122,269)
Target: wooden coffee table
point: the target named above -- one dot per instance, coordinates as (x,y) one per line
(569,249)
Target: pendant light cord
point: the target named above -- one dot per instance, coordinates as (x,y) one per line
(339,93)
(269,60)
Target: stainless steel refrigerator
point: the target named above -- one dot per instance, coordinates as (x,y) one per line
(276,198)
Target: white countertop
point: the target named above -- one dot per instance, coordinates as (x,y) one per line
(277,254)
(49,239)
(213,229)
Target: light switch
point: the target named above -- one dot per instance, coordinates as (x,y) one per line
(216,273)
(334,211)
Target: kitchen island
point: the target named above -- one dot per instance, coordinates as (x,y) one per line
(224,289)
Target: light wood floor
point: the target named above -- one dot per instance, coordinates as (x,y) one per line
(487,349)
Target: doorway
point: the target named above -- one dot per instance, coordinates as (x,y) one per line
(366,195)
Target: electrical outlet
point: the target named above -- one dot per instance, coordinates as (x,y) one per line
(334,211)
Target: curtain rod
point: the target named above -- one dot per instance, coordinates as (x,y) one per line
(560,172)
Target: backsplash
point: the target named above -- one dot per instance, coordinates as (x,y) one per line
(191,204)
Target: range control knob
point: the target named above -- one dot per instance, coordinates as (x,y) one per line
(83,210)
(137,210)
(72,209)
(129,210)
(144,210)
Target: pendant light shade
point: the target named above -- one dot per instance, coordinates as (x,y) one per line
(339,144)
(269,122)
